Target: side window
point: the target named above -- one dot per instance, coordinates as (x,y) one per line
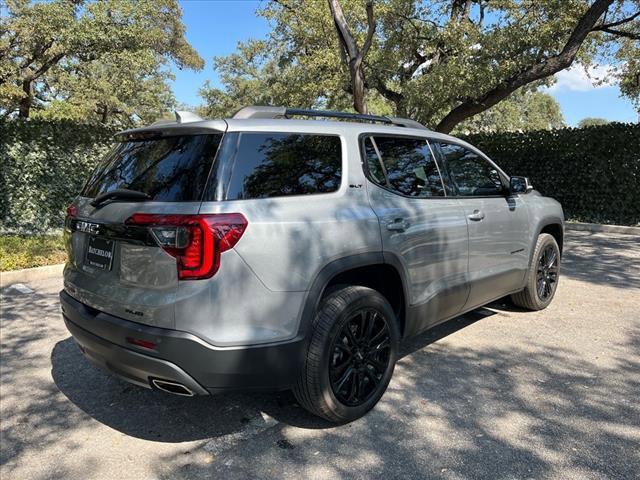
(470,174)
(281,164)
(410,168)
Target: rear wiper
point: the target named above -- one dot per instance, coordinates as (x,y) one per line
(119,195)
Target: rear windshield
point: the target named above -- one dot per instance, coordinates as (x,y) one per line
(262,165)
(168,169)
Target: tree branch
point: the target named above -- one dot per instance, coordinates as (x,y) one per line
(541,70)
(409,19)
(47,65)
(388,93)
(283,5)
(460,10)
(610,27)
(604,26)
(38,53)
(371,29)
(344,34)
(620,33)
(467,9)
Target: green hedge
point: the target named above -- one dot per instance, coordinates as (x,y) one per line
(594,171)
(43,166)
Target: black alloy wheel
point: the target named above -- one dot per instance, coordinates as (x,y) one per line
(547,273)
(360,354)
(541,280)
(352,351)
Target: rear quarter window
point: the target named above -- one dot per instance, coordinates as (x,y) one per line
(279,164)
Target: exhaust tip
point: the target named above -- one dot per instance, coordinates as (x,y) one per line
(172,387)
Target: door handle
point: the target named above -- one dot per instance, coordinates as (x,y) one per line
(398,225)
(476,216)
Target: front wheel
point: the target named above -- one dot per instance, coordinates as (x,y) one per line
(542,279)
(351,355)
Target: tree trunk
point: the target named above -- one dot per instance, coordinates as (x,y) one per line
(401,105)
(351,53)
(359,98)
(25,102)
(104,114)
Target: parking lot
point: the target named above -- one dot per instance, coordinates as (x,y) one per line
(498,393)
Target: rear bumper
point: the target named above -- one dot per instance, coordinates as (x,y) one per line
(178,356)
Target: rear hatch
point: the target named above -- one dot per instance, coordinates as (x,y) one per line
(126,230)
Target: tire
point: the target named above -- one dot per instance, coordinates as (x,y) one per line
(542,281)
(325,386)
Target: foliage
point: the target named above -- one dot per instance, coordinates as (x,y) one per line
(99,61)
(43,166)
(26,251)
(439,62)
(594,172)
(591,121)
(522,111)
(121,88)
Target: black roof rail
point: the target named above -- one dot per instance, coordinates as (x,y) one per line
(274,112)
(333,114)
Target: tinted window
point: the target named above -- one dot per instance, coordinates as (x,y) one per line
(410,168)
(280,164)
(470,174)
(171,169)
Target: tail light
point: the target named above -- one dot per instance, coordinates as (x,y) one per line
(196,241)
(72,210)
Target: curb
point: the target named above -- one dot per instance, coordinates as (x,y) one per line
(30,274)
(596,227)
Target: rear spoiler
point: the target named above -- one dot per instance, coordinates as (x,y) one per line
(186,123)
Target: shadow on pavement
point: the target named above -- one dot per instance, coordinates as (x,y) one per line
(149,414)
(157,416)
(502,412)
(601,259)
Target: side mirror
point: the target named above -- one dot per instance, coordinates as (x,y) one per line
(520,185)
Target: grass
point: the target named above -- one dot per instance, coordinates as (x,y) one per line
(21,251)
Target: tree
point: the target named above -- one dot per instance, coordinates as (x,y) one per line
(523,111)
(591,122)
(438,61)
(122,88)
(73,49)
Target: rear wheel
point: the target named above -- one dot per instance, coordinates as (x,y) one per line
(542,279)
(351,354)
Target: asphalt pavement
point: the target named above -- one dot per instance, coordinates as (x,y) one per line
(498,394)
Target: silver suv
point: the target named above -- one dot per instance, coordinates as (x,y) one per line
(263,252)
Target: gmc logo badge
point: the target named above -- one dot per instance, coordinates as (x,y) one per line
(87,227)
